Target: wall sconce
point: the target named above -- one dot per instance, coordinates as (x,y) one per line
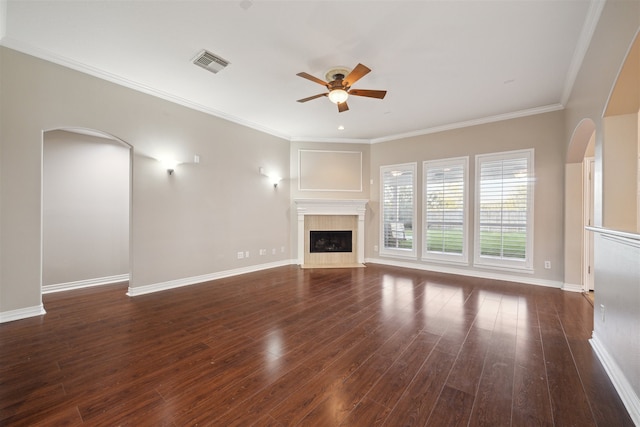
(169,165)
(273,178)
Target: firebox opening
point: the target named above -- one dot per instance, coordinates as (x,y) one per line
(330,241)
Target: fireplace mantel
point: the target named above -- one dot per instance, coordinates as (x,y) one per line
(355,207)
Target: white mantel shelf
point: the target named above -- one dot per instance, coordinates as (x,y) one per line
(331,206)
(357,207)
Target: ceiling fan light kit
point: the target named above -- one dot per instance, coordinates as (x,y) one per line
(339,86)
(338,95)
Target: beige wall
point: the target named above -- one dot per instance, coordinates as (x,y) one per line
(542,132)
(574,230)
(189,224)
(620,172)
(85,213)
(324,186)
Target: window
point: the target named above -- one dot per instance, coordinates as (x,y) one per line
(398,210)
(445,210)
(504,210)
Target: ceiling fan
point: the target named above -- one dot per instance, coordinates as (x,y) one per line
(339,86)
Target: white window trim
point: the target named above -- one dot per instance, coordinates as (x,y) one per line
(446,257)
(525,265)
(399,252)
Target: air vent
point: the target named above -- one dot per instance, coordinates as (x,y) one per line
(209,61)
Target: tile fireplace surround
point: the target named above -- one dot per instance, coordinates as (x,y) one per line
(331,214)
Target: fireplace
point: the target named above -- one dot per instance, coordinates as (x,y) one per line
(330,233)
(330,241)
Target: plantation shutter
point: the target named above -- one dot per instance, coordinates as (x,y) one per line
(398,186)
(504,208)
(444,207)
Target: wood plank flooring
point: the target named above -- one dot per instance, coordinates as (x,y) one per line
(289,346)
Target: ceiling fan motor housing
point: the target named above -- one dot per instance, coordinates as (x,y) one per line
(337,72)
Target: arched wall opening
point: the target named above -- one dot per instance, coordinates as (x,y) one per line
(578,212)
(86,209)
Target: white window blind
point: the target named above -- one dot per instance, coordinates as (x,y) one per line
(398,209)
(504,209)
(445,209)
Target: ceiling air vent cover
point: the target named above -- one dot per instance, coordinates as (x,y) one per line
(209,61)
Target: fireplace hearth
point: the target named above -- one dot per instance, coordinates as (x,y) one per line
(330,241)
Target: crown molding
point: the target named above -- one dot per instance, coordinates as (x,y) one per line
(475,122)
(46,55)
(330,140)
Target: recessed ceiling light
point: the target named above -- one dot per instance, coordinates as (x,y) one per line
(340,127)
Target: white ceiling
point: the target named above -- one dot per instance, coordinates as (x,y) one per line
(444,63)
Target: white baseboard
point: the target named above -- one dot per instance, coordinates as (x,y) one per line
(172,284)
(572,287)
(623,387)
(22,313)
(471,273)
(85,283)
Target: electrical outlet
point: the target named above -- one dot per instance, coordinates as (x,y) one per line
(240,255)
(602,312)
(246,254)
(273,251)
(282,249)
(547,265)
(375,248)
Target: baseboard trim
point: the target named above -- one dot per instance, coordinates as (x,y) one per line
(60,287)
(471,273)
(178,283)
(572,287)
(22,313)
(623,387)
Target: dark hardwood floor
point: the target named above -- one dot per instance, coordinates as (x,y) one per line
(353,347)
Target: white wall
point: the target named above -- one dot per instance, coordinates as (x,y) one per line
(616,335)
(85,216)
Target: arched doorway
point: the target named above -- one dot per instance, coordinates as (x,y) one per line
(579,203)
(86,188)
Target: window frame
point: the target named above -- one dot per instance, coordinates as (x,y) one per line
(525,265)
(453,258)
(398,252)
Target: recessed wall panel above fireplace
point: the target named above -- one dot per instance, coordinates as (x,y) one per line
(323,170)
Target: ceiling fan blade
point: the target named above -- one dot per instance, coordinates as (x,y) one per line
(356,74)
(312,97)
(369,93)
(312,78)
(342,107)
